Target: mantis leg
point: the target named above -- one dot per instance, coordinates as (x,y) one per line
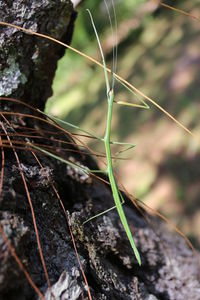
(104,212)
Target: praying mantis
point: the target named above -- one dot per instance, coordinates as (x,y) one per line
(117,196)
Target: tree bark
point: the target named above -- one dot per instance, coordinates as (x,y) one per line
(28,63)
(169,271)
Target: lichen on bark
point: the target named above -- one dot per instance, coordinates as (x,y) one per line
(28,63)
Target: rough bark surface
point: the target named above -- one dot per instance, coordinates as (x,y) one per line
(169,269)
(28,63)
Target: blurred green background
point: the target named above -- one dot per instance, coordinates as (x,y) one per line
(158,52)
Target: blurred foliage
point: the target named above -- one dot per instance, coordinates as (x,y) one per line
(158,52)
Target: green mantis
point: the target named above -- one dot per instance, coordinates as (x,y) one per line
(114,187)
(117,196)
(115,191)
